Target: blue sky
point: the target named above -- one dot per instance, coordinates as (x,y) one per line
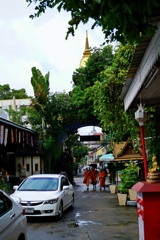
(41,43)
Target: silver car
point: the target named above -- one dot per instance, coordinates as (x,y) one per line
(13,222)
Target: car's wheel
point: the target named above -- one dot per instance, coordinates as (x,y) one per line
(21,237)
(72,202)
(60,214)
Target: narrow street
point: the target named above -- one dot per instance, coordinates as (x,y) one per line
(96,215)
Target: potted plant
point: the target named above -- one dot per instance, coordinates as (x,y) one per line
(129,176)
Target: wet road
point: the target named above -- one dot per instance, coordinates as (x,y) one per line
(96,215)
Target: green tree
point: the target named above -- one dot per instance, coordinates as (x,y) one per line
(79,152)
(7,93)
(152,133)
(49,124)
(63,108)
(129,177)
(108,105)
(100,58)
(17,116)
(101,98)
(119,20)
(85,78)
(50,115)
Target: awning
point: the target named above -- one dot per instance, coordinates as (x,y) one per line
(106,158)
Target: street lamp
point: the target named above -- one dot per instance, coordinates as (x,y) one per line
(141,117)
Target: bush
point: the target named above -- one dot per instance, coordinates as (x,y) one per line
(129,177)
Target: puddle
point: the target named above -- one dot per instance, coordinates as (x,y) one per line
(77,214)
(82,223)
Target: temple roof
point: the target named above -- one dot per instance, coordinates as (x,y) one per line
(86,53)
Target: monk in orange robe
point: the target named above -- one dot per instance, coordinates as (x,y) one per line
(93,174)
(101,176)
(87,177)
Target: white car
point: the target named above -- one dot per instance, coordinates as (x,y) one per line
(13,222)
(45,195)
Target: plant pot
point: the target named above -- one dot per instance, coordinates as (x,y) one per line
(112,188)
(132,194)
(122,198)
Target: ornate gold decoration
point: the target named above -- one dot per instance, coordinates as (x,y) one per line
(154,174)
(86,53)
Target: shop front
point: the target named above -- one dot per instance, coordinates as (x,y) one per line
(21,153)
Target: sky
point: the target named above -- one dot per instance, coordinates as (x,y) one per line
(40,43)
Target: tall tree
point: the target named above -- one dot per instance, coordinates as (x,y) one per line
(120,20)
(108,105)
(84,79)
(41,105)
(100,58)
(7,93)
(55,111)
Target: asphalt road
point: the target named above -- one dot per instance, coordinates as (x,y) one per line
(96,216)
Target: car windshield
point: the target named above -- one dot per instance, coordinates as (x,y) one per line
(39,184)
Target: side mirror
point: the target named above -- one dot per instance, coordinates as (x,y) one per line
(65,187)
(16,199)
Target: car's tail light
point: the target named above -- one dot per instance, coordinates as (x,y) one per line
(24,211)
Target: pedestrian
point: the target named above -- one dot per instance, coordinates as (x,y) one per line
(93,174)
(102,179)
(87,177)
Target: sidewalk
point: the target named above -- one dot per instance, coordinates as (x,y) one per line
(100,217)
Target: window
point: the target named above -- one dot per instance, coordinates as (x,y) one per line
(39,184)
(64,182)
(5,204)
(27,167)
(36,167)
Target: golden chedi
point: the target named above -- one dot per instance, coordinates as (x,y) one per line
(153,174)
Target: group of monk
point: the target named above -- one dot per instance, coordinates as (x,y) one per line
(92,175)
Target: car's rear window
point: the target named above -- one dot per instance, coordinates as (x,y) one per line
(39,184)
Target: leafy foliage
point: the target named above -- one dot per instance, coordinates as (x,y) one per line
(100,59)
(17,116)
(50,114)
(100,97)
(120,20)
(79,152)
(40,85)
(85,78)
(108,105)
(129,176)
(152,133)
(7,93)
(62,107)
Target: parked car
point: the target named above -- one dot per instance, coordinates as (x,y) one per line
(13,222)
(45,195)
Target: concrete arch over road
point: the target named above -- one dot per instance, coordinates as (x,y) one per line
(73,127)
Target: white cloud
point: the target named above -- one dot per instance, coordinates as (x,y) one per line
(40,42)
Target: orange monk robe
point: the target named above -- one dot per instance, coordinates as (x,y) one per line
(102,178)
(87,177)
(93,174)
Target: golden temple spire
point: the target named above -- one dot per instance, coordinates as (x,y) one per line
(86,53)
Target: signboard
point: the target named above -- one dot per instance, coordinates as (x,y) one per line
(90,138)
